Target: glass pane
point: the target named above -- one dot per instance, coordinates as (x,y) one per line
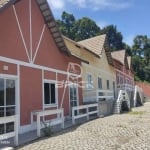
(9,127)
(71,94)
(1,128)
(53,99)
(107,84)
(1,111)
(1,92)
(10,111)
(10,92)
(99,83)
(74,103)
(46,93)
(74,93)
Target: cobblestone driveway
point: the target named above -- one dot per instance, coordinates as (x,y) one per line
(118,132)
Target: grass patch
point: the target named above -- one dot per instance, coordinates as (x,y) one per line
(137,112)
(122,126)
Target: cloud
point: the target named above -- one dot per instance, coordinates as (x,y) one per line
(102,24)
(109,4)
(79,3)
(91,4)
(57,4)
(101,4)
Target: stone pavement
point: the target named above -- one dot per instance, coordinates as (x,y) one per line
(117,132)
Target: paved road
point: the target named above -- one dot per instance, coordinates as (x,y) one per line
(118,132)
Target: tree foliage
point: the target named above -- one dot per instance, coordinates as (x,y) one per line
(114,37)
(77,29)
(67,25)
(141,57)
(85,28)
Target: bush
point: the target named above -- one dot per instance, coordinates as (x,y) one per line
(47,130)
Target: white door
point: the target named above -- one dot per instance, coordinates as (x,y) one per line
(73,96)
(7,103)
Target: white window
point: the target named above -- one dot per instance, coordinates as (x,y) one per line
(7,103)
(100,83)
(49,93)
(7,97)
(108,86)
(89,81)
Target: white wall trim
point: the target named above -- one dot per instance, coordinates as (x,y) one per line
(7,76)
(37,48)
(26,64)
(30,20)
(21,33)
(42,89)
(18,95)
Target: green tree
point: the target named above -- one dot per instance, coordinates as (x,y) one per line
(66,24)
(85,28)
(128,49)
(141,59)
(147,73)
(77,30)
(138,66)
(140,42)
(114,37)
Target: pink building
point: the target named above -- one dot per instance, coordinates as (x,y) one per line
(33,59)
(124,73)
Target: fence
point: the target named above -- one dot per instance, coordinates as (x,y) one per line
(52,122)
(87,112)
(97,95)
(125,87)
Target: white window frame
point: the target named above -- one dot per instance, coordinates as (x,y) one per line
(5,105)
(89,85)
(56,93)
(74,85)
(17,102)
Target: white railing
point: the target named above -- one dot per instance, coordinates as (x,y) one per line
(125,87)
(86,114)
(104,95)
(9,119)
(97,95)
(52,122)
(123,96)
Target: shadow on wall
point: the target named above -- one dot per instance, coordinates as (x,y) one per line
(138,100)
(132,99)
(124,107)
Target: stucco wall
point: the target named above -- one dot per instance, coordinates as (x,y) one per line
(98,67)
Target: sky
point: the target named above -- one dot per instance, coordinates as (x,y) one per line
(130,16)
